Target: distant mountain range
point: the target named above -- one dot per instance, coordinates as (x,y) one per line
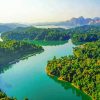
(74,22)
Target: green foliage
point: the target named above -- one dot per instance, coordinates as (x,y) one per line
(82,69)
(32,33)
(87,33)
(11,51)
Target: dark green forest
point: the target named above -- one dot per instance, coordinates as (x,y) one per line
(87,33)
(82,69)
(32,33)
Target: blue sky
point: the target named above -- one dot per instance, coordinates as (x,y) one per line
(30,11)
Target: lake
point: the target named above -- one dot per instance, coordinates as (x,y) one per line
(27,78)
(0,38)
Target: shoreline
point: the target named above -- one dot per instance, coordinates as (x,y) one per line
(3,96)
(17,60)
(60,79)
(21,58)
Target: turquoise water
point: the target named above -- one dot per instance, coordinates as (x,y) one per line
(27,78)
(0,37)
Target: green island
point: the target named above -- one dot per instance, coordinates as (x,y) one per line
(12,51)
(81,70)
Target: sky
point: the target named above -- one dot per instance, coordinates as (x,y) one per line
(32,11)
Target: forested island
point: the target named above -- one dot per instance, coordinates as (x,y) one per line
(82,69)
(87,33)
(12,51)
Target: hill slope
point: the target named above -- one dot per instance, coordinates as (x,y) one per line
(85,33)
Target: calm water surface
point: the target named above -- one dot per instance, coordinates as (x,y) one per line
(0,37)
(28,78)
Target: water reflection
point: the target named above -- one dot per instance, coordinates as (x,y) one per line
(67,85)
(4,68)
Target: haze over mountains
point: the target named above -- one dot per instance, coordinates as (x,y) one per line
(81,21)
(74,22)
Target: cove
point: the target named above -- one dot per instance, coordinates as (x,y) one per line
(27,78)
